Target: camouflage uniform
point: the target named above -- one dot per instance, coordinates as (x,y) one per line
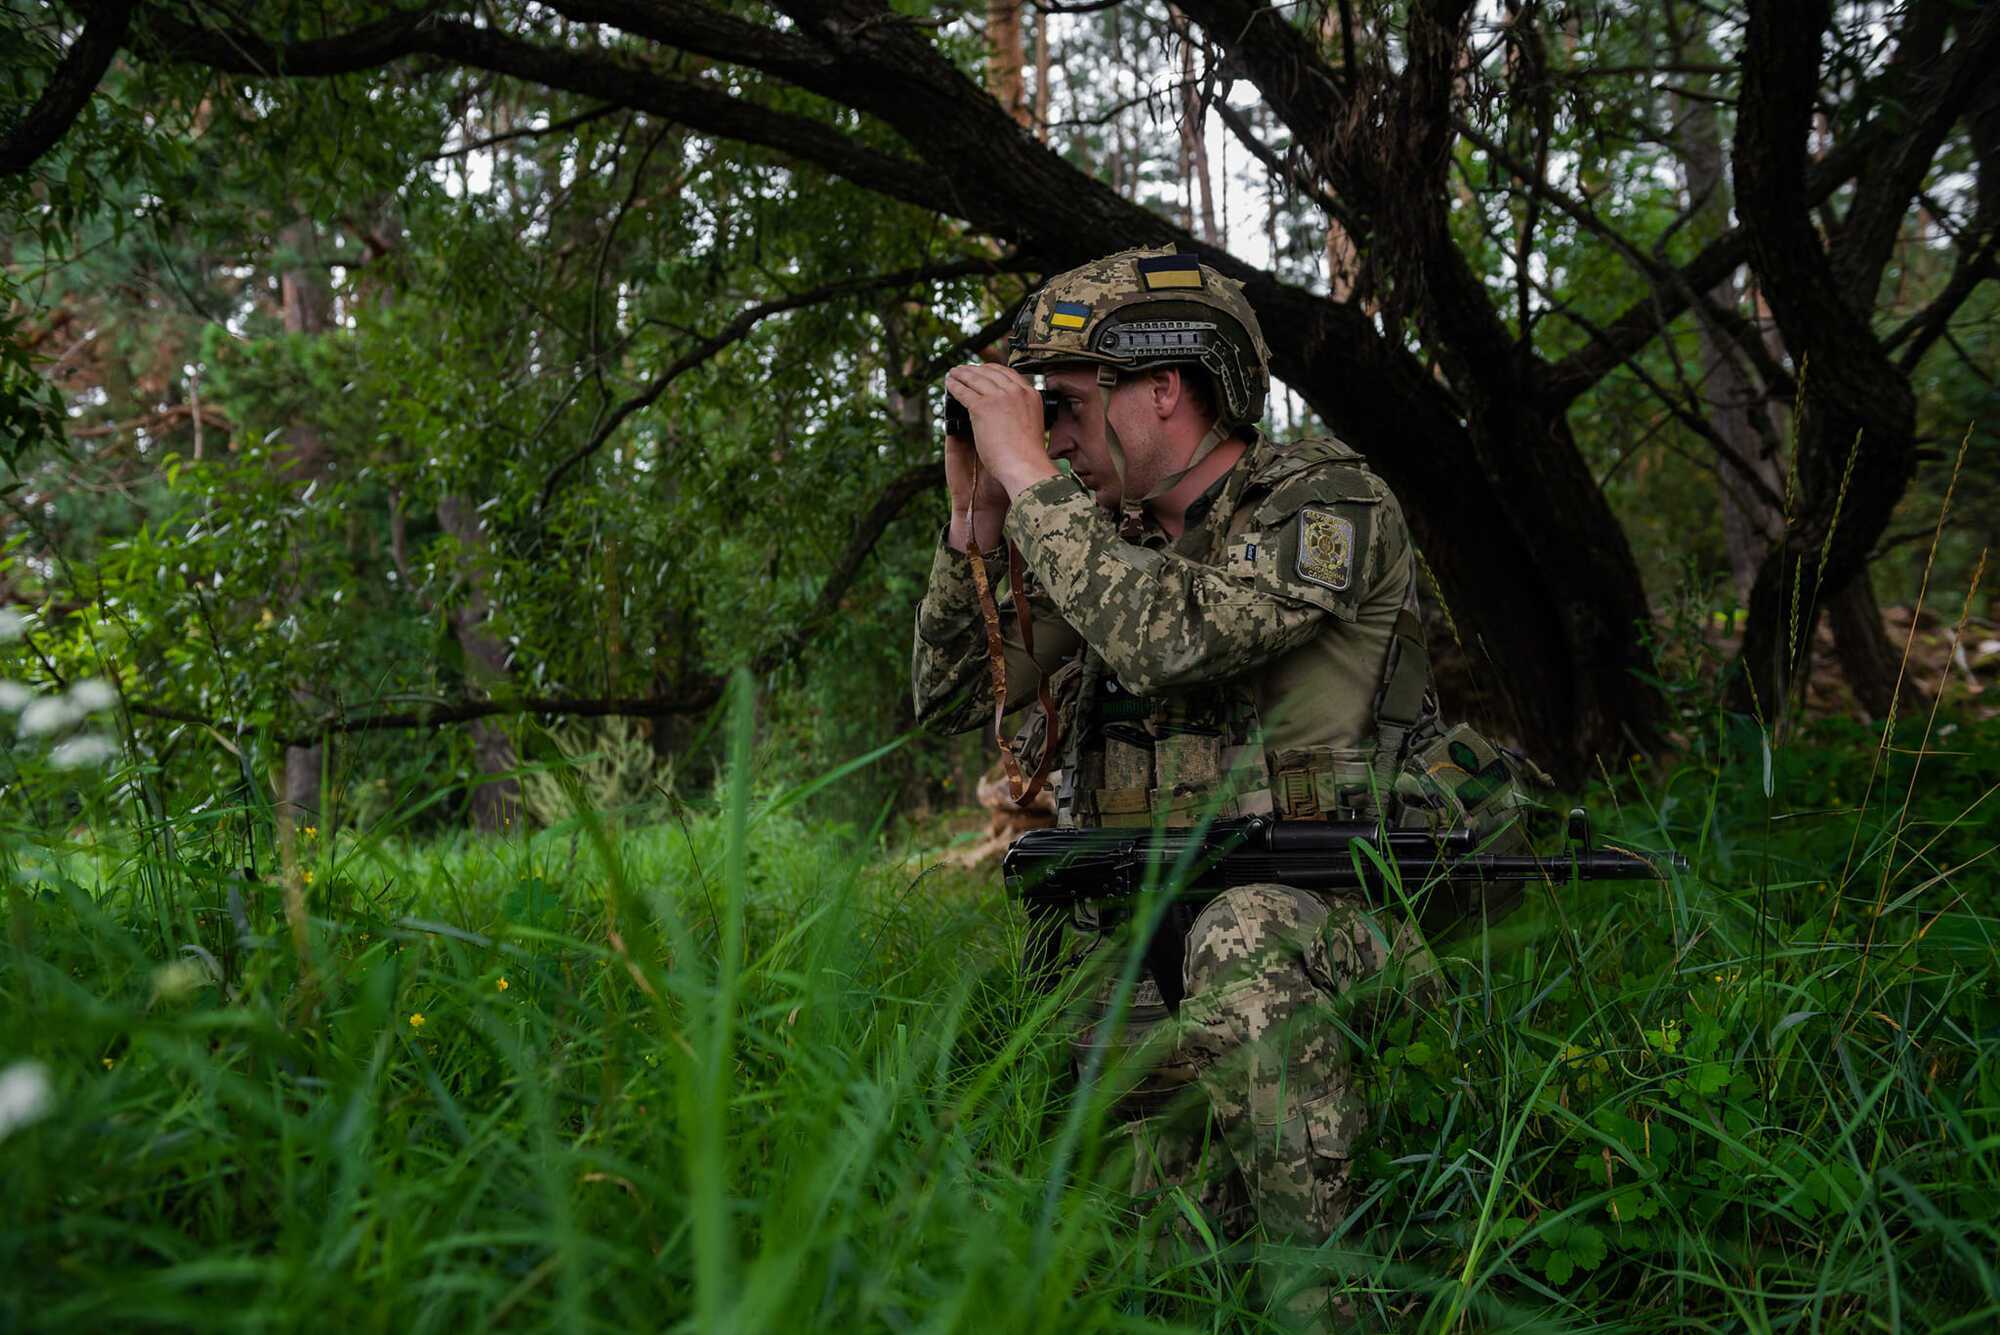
(1234,669)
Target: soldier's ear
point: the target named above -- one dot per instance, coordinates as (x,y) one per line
(1167,388)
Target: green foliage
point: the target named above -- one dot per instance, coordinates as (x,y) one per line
(1780,1065)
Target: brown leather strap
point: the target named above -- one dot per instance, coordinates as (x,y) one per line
(1017,583)
(1022,791)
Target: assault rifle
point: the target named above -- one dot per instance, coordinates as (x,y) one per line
(1056,872)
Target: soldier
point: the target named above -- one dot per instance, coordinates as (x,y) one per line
(1225,626)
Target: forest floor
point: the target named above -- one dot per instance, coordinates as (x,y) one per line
(741,1071)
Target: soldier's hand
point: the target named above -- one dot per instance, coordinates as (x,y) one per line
(1006,413)
(981,510)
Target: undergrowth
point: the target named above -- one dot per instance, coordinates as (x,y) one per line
(737,1070)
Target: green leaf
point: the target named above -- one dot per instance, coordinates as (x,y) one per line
(1586,1246)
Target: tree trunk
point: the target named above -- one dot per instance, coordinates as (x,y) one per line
(496,802)
(1746,422)
(1004,59)
(1870,662)
(1042,74)
(1856,443)
(1194,141)
(306,304)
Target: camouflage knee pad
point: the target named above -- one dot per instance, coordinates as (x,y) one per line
(1272,977)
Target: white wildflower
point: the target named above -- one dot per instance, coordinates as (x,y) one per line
(51,713)
(14,697)
(26,1096)
(80,752)
(92,695)
(12,625)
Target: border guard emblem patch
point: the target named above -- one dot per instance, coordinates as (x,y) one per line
(1326,548)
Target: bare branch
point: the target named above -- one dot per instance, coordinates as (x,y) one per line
(703,696)
(1929,324)
(738,328)
(528,132)
(1285,170)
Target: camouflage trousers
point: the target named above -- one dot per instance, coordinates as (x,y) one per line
(1277,980)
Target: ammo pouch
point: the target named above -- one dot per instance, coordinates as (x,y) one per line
(1454,778)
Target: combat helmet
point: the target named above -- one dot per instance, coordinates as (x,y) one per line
(1141,308)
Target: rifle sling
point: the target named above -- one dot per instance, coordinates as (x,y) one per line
(1022,791)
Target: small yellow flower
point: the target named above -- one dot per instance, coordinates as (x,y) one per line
(1718,978)
(501,985)
(306,876)
(417,1020)
(108,1063)
(312,831)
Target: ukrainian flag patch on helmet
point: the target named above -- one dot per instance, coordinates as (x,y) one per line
(1068,315)
(1161,271)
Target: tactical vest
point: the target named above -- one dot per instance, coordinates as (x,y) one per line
(1190,753)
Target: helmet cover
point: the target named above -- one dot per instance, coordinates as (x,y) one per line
(1138,309)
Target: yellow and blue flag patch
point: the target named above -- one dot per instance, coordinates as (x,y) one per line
(1162,271)
(1068,315)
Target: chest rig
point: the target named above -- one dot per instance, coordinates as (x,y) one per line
(1180,755)
(1188,754)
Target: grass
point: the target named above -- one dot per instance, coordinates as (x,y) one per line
(735,1071)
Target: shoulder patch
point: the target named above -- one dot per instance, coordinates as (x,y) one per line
(1326,548)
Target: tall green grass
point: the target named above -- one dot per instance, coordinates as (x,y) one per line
(736,1071)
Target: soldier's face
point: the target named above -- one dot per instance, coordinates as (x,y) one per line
(1078,434)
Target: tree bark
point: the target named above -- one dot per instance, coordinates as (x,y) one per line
(1042,74)
(1194,140)
(1747,421)
(1870,662)
(496,801)
(306,304)
(1005,56)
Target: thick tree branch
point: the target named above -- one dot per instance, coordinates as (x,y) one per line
(69,88)
(739,328)
(1926,93)
(702,31)
(600,76)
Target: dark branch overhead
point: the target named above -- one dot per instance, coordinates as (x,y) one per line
(69,89)
(708,110)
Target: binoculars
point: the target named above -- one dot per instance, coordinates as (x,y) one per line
(958,422)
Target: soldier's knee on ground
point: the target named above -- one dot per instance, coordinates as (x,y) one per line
(1277,978)
(1254,1024)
